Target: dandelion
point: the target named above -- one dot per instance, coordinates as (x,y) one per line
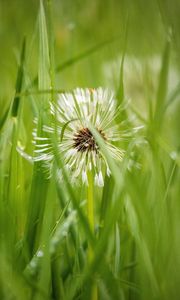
(72,114)
(72,117)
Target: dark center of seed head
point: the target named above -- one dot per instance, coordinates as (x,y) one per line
(84,140)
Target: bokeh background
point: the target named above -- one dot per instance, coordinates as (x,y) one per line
(79,25)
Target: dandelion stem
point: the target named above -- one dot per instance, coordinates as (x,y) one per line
(90,215)
(90,210)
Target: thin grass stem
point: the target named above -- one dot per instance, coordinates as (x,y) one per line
(90,216)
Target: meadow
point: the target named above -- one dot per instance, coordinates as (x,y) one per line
(108,230)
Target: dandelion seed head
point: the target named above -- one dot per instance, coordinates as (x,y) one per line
(79,150)
(84,140)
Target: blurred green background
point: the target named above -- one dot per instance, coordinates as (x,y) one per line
(79,25)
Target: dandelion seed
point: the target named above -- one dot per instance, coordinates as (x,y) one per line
(72,114)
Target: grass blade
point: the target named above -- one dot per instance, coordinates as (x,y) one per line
(19,80)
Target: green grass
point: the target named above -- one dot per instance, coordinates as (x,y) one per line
(45,232)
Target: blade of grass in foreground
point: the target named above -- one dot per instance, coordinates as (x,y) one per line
(11,193)
(44,82)
(14,108)
(11,183)
(19,81)
(142,245)
(39,184)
